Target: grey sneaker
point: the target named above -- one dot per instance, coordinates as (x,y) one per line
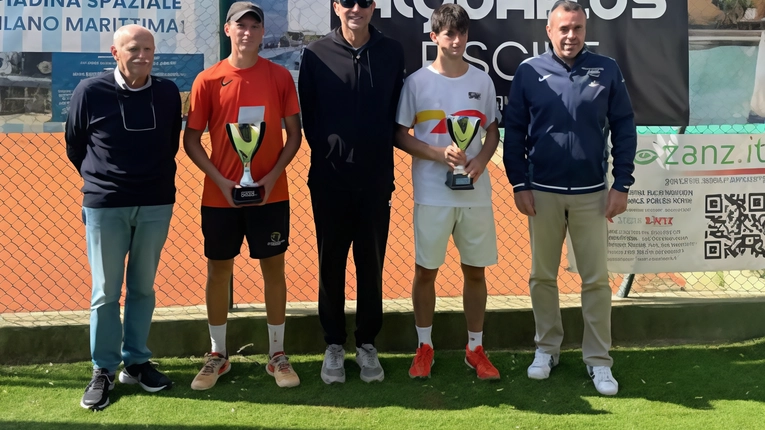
(333,369)
(543,363)
(96,395)
(366,357)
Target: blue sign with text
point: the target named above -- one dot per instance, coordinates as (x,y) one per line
(69,68)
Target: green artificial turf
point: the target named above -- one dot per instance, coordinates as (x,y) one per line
(667,387)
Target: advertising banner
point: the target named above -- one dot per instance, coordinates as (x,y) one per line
(698,204)
(37,71)
(648,39)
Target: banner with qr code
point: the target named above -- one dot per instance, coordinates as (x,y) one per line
(698,204)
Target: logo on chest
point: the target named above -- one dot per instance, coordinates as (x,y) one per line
(472,95)
(593,72)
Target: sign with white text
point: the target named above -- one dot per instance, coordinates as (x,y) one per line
(642,35)
(48,46)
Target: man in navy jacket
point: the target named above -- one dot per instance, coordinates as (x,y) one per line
(555,155)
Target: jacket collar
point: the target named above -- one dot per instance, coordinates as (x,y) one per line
(120,80)
(579,57)
(374,36)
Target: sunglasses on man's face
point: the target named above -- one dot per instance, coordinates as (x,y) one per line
(349,3)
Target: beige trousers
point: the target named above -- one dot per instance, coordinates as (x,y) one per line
(584,217)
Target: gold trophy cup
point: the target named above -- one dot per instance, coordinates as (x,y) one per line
(246,139)
(462,130)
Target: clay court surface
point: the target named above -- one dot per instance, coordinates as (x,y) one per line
(43,261)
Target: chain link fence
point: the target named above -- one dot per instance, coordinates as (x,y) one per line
(42,246)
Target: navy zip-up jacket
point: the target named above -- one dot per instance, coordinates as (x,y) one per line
(555,121)
(348,100)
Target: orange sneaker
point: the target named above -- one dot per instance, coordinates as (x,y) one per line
(423,360)
(480,362)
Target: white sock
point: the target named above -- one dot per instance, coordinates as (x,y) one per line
(275,339)
(218,338)
(475,339)
(423,335)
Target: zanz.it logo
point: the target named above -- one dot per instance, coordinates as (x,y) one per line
(670,152)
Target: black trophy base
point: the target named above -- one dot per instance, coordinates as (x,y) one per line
(247,195)
(459,181)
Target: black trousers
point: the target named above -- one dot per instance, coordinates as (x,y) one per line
(344,218)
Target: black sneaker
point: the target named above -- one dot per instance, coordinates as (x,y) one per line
(96,395)
(150,379)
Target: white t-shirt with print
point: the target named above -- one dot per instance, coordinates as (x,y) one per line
(426,100)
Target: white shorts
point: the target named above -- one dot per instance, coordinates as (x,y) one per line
(473,229)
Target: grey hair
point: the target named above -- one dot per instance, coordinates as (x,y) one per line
(567,5)
(128,29)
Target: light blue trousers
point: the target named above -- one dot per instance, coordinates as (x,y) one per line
(138,233)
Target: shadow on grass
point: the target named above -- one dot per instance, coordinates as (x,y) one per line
(693,377)
(689,376)
(452,387)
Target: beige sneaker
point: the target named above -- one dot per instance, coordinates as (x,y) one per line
(280,368)
(216,364)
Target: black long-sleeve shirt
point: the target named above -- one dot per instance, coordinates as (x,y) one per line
(123,143)
(348,100)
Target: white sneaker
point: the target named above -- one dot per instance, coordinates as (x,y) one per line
(333,369)
(543,363)
(603,379)
(371,370)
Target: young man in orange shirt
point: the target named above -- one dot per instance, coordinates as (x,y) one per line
(244,88)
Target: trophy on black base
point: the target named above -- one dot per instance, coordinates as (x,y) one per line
(462,130)
(246,139)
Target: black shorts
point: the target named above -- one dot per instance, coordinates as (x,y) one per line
(267,229)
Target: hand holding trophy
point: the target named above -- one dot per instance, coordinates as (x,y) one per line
(462,130)
(246,139)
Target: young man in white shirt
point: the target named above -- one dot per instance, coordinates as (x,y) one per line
(450,87)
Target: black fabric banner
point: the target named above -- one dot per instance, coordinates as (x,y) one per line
(648,39)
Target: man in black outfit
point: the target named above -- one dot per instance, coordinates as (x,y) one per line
(349,86)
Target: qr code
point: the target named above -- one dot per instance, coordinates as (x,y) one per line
(735,225)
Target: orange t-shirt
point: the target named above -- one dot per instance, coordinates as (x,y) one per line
(217,96)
